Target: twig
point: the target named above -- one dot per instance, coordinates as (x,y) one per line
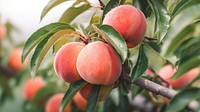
(7,71)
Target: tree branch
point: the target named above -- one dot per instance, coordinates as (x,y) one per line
(155,88)
(7,71)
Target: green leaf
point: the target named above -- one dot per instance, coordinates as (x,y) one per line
(183,68)
(49,6)
(132,58)
(44,46)
(93,98)
(162,18)
(178,24)
(141,65)
(182,5)
(77,8)
(111,4)
(123,103)
(109,105)
(180,100)
(38,36)
(114,38)
(73,89)
(123,87)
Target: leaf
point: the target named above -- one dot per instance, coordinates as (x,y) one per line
(93,98)
(114,38)
(44,46)
(141,65)
(109,105)
(77,8)
(183,68)
(73,89)
(182,5)
(123,103)
(123,87)
(162,18)
(111,4)
(38,36)
(178,24)
(132,58)
(49,6)
(180,100)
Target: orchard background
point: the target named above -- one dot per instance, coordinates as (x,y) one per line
(159,74)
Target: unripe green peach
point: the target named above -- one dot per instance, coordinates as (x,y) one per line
(65,61)
(98,63)
(129,22)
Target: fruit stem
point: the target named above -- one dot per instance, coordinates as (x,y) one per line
(83,37)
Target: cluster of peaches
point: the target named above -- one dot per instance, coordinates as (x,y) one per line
(97,62)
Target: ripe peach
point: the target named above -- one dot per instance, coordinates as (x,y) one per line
(54,103)
(2,31)
(65,61)
(105,90)
(31,87)
(149,71)
(14,61)
(168,71)
(129,22)
(98,63)
(80,102)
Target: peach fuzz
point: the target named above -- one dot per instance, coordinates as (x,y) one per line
(80,102)
(129,22)
(2,32)
(31,87)
(65,61)
(54,103)
(14,61)
(104,92)
(168,71)
(98,63)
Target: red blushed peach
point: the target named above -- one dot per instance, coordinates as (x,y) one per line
(31,87)
(65,61)
(2,32)
(14,61)
(80,102)
(54,103)
(168,71)
(129,22)
(104,92)
(98,63)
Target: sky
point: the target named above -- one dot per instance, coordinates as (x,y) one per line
(25,15)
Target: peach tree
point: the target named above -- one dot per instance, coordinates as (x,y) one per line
(122,40)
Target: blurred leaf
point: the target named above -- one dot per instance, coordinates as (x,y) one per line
(154,46)
(183,4)
(114,38)
(135,90)
(77,8)
(42,94)
(93,98)
(183,68)
(37,37)
(109,105)
(73,89)
(142,5)
(162,18)
(142,63)
(123,103)
(111,4)
(49,6)
(178,24)
(180,100)
(44,46)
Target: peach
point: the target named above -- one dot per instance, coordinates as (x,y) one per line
(168,71)
(31,87)
(54,103)
(65,61)
(105,90)
(98,63)
(2,31)
(129,21)
(14,61)
(80,102)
